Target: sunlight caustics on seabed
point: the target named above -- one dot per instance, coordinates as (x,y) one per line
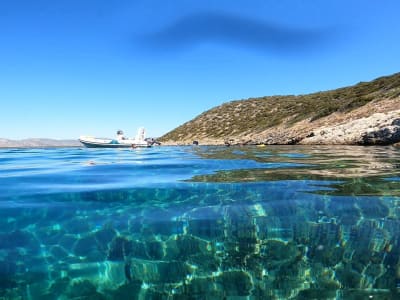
(278,222)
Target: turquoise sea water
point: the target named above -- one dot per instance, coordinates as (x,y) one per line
(200,223)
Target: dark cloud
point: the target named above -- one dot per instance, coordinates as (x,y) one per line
(233,30)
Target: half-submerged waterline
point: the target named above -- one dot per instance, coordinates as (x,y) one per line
(200,223)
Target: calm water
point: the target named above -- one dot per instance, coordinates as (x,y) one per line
(200,223)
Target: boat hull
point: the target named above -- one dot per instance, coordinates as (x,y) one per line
(112,144)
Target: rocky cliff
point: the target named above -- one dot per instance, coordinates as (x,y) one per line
(377,129)
(366,114)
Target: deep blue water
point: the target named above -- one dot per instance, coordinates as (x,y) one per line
(279,222)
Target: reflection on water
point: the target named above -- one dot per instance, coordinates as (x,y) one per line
(359,171)
(200,223)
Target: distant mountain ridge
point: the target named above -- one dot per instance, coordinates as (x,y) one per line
(38,142)
(301,119)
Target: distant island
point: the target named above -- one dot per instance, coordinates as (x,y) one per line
(367,113)
(38,143)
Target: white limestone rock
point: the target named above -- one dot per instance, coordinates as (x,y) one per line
(377,129)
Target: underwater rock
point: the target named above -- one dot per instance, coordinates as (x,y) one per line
(235,283)
(7,268)
(138,250)
(135,225)
(165,228)
(17,238)
(322,278)
(76,225)
(206,222)
(240,239)
(194,251)
(197,287)
(374,271)
(120,248)
(207,229)
(368,264)
(7,277)
(348,277)
(368,236)
(33,290)
(388,280)
(49,235)
(325,233)
(359,294)
(185,245)
(289,276)
(104,236)
(327,255)
(105,275)
(129,290)
(155,249)
(302,232)
(87,247)
(205,264)
(123,248)
(276,252)
(58,253)
(159,271)
(278,228)
(68,241)
(26,218)
(346,211)
(111,275)
(83,289)
(175,291)
(154,293)
(57,214)
(58,287)
(373,208)
(8,224)
(314,293)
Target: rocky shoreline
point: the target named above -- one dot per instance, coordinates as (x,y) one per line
(378,129)
(358,127)
(367,113)
(376,123)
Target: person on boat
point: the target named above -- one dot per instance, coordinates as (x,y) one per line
(120,135)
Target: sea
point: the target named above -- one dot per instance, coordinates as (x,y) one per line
(200,222)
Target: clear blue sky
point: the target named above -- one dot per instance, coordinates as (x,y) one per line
(73,67)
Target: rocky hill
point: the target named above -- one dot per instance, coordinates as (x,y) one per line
(37,143)
(366,113)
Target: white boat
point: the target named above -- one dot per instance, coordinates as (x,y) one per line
(119,142)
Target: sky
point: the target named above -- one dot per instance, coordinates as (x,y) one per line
(91,67)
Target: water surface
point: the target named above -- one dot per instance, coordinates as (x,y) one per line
(279,222)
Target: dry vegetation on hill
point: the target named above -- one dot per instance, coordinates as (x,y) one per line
(287,119)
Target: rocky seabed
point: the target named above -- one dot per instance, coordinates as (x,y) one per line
(252,251)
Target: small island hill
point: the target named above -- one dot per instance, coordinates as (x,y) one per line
(367,113)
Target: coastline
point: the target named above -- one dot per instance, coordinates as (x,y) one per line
(376,123)
(38,143)
(219,144)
